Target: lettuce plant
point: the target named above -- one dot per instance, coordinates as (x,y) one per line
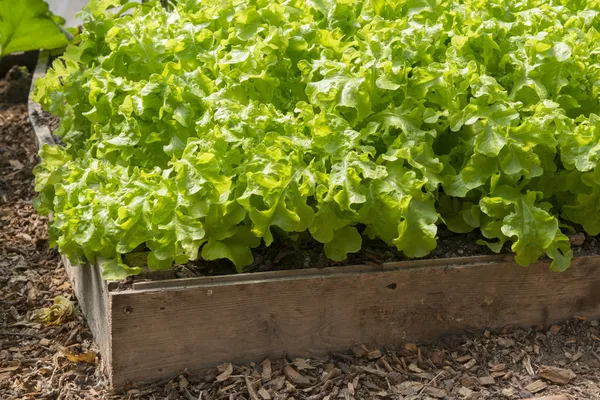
(28,25)
(218,126)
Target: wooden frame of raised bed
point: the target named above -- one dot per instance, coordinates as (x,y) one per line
(156,329)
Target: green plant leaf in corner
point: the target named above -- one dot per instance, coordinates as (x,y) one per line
(28,25)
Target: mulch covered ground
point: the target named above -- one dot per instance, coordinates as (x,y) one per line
(49,353)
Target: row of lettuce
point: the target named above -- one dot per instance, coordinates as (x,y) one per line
(220,126)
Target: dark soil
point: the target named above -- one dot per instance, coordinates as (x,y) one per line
(14,88)
(40,361)
(287,255)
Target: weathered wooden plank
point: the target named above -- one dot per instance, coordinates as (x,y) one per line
(42,132)
(158,332)
(309,272)
(92,294)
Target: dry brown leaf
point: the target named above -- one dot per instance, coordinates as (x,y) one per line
(61,311)
(88,357)
(411,347)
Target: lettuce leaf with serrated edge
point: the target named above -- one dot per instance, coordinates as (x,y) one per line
(213,128)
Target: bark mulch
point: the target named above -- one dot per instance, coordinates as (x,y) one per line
(49,353)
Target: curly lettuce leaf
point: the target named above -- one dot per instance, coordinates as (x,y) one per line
(215,127)
(28,25)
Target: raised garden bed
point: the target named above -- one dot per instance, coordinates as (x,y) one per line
(153,329)
(156,329)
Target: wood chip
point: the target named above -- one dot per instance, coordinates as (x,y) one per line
(408,388)
(468,381)
(264,394)
(557,375)
(296,377)
(359,351)
(528,367)
(470,364)
(412,367)
(506,342)
(44,342)
(464,359)
(251,390)
(536,386)
(577,356)
(498,367)
(437,357)
(559,397)
(381,374)
(334,373)
(486,381)
(465,392)
(266,370)
(278,382)
(373,355)
(228,370)
(395,377)
(554,329)
(386,365)
(302,364)
(435,392)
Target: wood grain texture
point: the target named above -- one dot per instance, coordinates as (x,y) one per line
(158,283)
(158,332)
(92,294)
(42,132)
